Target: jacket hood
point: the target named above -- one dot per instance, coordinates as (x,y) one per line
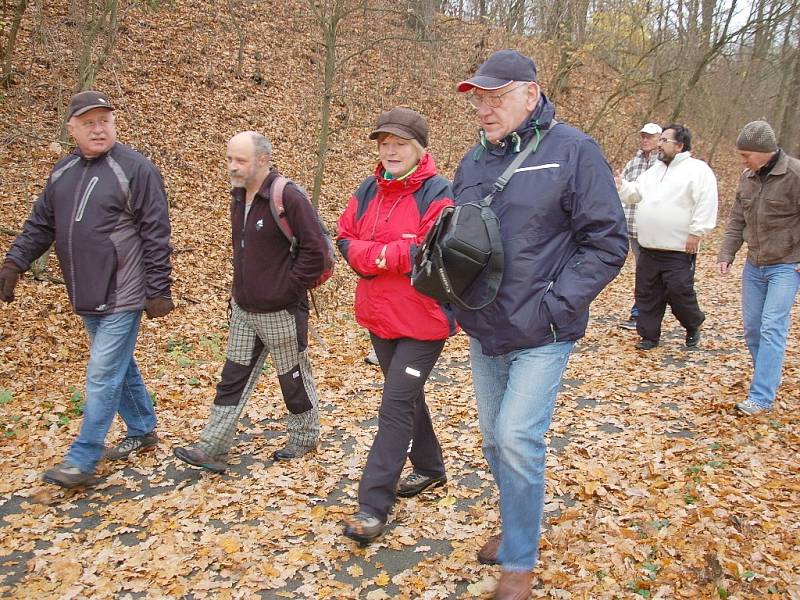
(426,168)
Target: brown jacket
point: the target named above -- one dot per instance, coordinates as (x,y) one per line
(766,215)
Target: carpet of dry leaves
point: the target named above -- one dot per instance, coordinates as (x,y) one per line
(656,489)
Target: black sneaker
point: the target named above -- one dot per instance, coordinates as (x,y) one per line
(67,476)
(644,344)
(291,451)
(692,337)
(198,457)
(416,483)
(131,444)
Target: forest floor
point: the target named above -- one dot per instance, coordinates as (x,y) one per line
(655,487)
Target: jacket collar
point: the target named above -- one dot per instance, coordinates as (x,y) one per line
(540,119)
(425,170)
(238,193)
(679,158)
(780,167)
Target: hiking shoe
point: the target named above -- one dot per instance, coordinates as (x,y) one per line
(196,456)
(644,344)
(291,451)
(67,475)
(487,555)
(692,337)
(131,444)
(417,483)
(629,324)
(750,408)
(371,358)
(364,528)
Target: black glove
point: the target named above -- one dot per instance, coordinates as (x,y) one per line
(9,275)
(158,307)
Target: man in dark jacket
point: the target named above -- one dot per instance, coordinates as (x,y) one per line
(766,215)
(564,239)
(105,207)
(269,306)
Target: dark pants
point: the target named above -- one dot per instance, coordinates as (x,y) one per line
(404,423)
(665,277)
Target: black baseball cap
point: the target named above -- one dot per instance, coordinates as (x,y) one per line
(500,69)
(85,101)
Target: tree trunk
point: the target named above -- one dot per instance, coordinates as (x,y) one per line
(7,48)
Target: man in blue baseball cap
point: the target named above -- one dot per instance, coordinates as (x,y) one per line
(564,239)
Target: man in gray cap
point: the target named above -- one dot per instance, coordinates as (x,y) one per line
(105,207)
(564,239)
(766,215)
(645,157)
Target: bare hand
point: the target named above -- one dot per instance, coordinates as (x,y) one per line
(692,244)
(723,268)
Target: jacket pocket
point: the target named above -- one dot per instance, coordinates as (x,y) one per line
(95,274)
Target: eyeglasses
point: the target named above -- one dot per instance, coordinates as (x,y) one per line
(492,101)
(666,141)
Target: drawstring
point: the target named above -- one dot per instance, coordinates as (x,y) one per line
(515,141)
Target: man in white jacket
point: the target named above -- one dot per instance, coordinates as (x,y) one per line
(676,206)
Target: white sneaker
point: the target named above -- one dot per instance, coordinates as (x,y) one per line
(749,407)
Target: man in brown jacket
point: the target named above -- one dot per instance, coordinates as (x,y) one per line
(766,215)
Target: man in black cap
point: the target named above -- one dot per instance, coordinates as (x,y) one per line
(765,214)
(105,207)
(564,239)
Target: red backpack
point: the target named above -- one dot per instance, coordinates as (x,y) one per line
(279,214)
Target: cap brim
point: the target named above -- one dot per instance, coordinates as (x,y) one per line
(484,83)
(394,130)
(86,109)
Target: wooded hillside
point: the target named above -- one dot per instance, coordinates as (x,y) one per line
(655,488)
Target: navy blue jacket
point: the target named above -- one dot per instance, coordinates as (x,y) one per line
(563,229)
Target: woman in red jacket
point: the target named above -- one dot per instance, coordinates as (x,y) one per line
(384,223)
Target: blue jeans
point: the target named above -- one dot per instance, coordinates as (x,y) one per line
(516,394)
(768,294)
(113,384)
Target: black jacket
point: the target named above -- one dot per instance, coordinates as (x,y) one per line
(110,221)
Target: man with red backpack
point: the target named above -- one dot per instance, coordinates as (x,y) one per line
(269,302)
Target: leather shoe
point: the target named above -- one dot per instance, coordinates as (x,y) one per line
(487,555)
(416,483)
(291,451)
(692,337)
(644,344)
(196,456)
(514,585)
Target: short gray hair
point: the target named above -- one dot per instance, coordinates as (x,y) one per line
(261,145)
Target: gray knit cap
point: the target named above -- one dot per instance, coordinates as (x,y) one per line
(757,136)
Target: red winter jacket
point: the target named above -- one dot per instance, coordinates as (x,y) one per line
(396,213)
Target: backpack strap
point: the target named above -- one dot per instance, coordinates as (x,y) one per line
(279,211)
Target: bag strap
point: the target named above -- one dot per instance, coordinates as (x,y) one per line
(531,148)
(278,210)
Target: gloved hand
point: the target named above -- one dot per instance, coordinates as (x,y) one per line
(9,275)
(158,307)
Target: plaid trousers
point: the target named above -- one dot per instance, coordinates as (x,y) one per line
(251,337)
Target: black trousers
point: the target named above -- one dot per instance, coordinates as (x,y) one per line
(665,277)
(404,423)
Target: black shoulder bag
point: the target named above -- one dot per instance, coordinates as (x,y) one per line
(464,242)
